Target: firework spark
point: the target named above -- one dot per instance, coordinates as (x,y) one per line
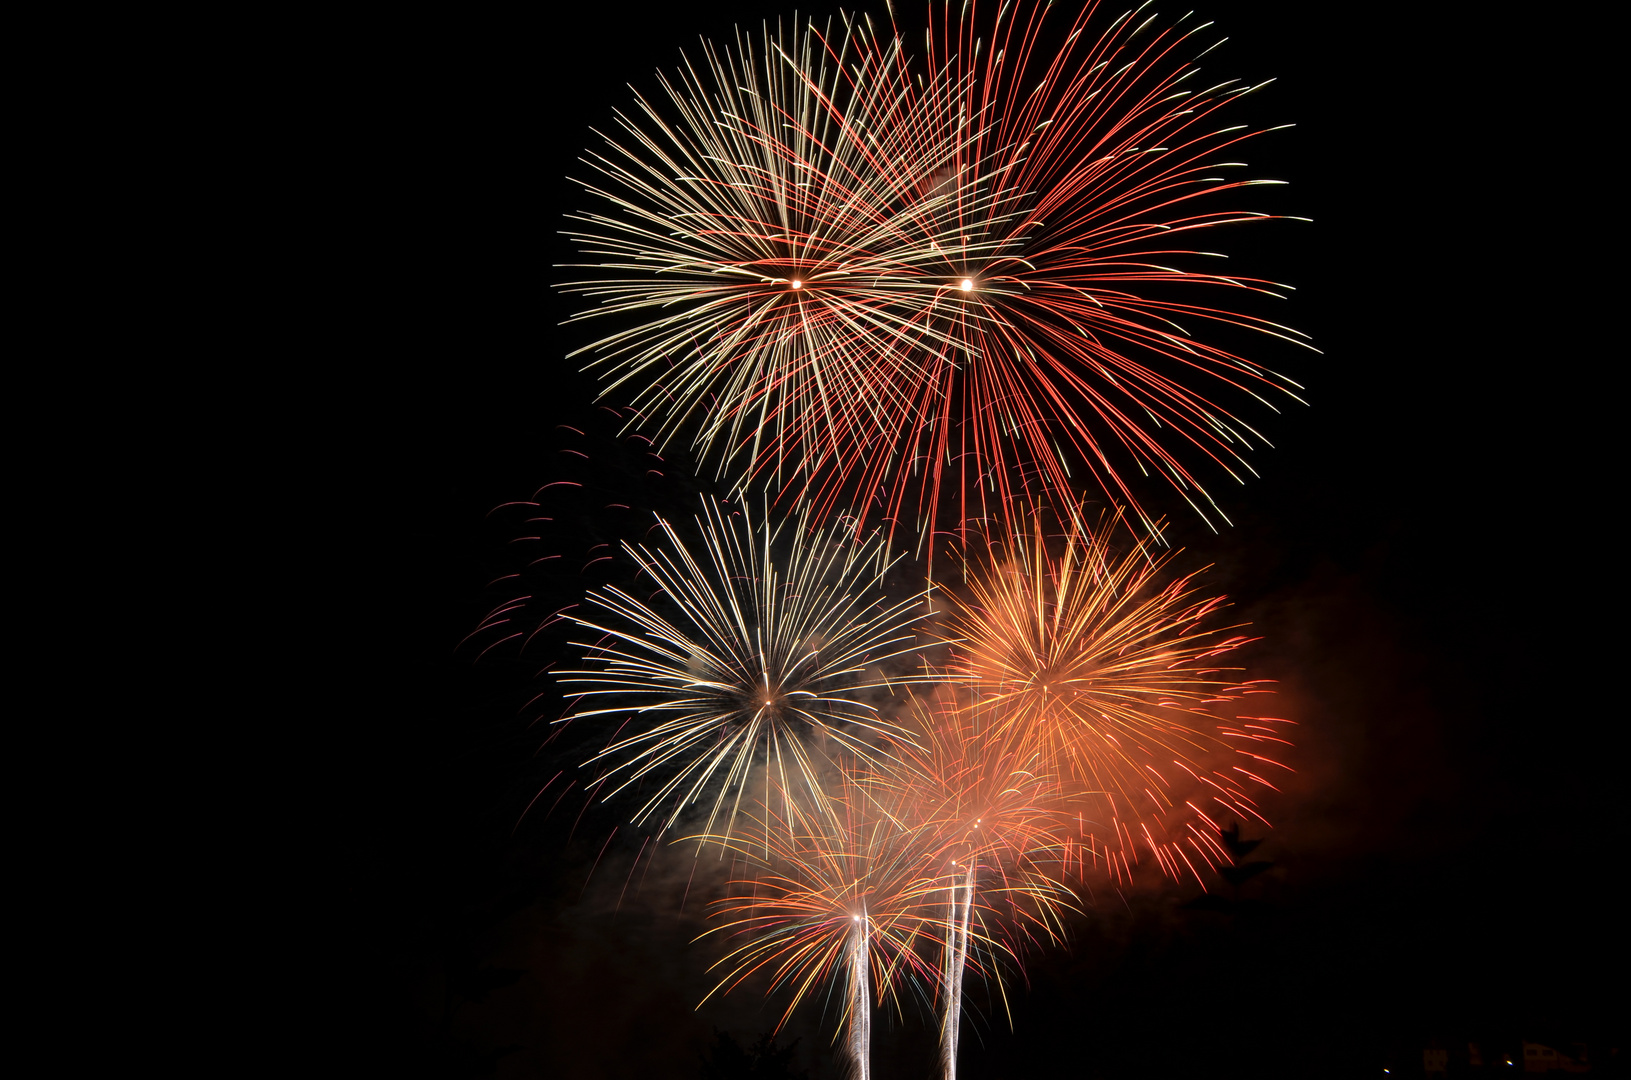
(1113,677)
(846,890)
(992,806)
(758,648)
(907,286)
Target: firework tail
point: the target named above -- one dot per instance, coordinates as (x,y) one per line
(990,809)
(860,1000)
(849,896)
(961,909)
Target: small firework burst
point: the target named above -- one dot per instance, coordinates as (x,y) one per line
(759,649)
(886,871)
(1001,835)
(848,889)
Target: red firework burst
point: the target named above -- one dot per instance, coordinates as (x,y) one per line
(915,289)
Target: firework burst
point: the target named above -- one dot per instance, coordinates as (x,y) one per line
(759,648)
(910,287)
(847,890)
(995,813)
(1116,680)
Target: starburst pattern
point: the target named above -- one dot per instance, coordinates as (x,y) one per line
(1116,678)
(908,286)
(847,889)
(759,648)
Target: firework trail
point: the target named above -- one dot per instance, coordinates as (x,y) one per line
(758,647)
(988,801)
(1115,680)
(907,286)
(552,535)
(859,1005)
(847,890)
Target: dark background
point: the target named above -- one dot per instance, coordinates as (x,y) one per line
(1421,557)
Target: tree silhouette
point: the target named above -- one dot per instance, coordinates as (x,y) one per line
(764,1060)
(1236,874)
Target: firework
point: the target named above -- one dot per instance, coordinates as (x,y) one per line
(846,889)
(991,805)
(907,286)
(759,647)
(1115,679)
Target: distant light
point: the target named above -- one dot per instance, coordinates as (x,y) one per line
(968,284)
(857,918)
(797,284)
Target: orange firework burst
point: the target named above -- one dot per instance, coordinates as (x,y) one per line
(875,876)
(1115,679)
(847,889)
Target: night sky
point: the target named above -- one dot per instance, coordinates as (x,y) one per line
(1415,557)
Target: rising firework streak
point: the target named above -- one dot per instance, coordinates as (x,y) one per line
(846,892)
(1001,829)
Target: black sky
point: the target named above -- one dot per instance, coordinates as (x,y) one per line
(1414,557)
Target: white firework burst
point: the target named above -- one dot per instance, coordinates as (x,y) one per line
(743,660)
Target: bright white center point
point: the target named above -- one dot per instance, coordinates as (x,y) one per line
(968,284)
(797,284)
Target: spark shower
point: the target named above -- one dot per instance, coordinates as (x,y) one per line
(916,294)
